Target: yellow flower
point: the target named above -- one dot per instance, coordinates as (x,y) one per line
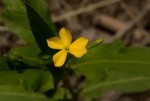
(63,43)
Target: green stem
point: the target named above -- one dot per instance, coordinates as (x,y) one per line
(69,86)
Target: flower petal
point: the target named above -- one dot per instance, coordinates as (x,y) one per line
(65,36)
(78,47)
(55,43)
(78,44)
(78,53)
(59,58)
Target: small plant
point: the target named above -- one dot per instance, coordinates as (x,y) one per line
(30,73)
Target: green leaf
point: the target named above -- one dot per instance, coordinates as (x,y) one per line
(59,95)
(114,67)
(42,9)
(46,82)
(16,93)
(32,80)
(26,55)
(15,18)
(3,64)
(16,86)
(40,29)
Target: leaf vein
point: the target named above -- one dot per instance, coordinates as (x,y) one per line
(114,82)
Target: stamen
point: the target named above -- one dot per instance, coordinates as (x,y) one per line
(67,48)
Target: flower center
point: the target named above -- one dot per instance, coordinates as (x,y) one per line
(67,48)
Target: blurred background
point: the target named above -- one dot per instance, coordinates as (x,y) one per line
(126,20)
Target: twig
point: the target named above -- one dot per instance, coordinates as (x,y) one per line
(83,10)
(111,96)
(140,26)
(109,22)
(83,3)
(130,25)
(4,29)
